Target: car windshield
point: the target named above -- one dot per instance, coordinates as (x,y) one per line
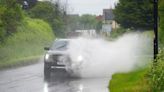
(59,45)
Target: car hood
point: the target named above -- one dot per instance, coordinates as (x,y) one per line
(53,52)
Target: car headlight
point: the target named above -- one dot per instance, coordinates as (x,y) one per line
(47,56)
(80,58)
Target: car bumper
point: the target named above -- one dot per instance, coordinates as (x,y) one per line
(70,68)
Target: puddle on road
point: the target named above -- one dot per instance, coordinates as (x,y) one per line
(67,84)
(82,85)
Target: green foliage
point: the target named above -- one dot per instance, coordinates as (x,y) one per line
(88,21)
(2,35)
(118,32)
(31,3)
(156,74)
(84,22)
(130,82)
(10,15)
(73,22)
(99,26)
(135,14)
(161,22)
(51,13)
(29,40)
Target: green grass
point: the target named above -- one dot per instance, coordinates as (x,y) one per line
(20,62)
(118,32)
(32,35)
(129,82)
(156,74)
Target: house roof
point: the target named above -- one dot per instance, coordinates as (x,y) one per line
(99,18)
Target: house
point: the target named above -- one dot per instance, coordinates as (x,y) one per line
(99,18)
(108,15)
(109,24)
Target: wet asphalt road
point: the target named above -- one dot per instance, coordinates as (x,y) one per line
(30,79)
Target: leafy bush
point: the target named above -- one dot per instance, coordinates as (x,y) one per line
(51,13)
(161,22)
(10,15)
(118,32)
(156,75)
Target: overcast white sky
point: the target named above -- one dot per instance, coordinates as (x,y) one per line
(89,6)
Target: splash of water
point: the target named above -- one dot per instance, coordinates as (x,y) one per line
(102,58)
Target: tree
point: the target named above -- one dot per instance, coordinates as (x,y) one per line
(88,21)
(72,22)
(135,14)
(51,13)
(10,17)
(84,22)
(99,26)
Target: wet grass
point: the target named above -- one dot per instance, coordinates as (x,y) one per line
(135,81)
(27,44)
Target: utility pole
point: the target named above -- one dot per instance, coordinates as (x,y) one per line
(155,29)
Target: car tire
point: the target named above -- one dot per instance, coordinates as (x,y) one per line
(47,70)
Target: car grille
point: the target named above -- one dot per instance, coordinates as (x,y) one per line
(56,57)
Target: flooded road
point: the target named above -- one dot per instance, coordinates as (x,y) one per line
(101,58)
(30,79)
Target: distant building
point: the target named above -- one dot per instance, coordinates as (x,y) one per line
(109,24)
(106,29)
(99,18)
(108,15)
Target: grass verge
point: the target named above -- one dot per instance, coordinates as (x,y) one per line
(135,81)
(20,62)
(26,44)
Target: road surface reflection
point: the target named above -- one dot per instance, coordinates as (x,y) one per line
(61,82)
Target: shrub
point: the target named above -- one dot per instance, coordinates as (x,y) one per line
(156,75)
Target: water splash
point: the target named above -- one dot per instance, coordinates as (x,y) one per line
(102,58)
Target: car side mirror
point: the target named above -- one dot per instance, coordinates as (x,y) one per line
(46,48)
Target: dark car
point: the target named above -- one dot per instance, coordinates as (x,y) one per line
(57,57)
